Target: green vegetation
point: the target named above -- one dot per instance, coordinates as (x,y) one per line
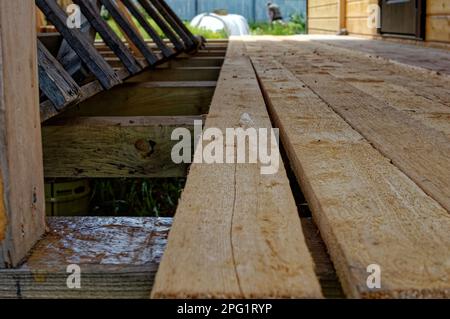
(295,25)
(135,196)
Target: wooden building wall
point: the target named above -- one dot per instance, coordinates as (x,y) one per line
(357,15)
(324,17)
(438,21)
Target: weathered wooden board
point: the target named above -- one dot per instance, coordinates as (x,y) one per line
(118,258)
(80,44)
(179,74)
(57,85)
(367,210)
(109,36)
(236,232)
(132,34)
(419,151)
(113,147)
(150,99)
(22,210)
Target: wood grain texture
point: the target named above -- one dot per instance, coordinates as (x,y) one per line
(236,232)
(113,147)
(20,133)
(419,151)
(54,81)
(367,210)
(118,258)
(179,74)
(80,44)
(150,99)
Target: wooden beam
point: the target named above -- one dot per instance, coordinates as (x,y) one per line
(149,99)
(178,74)
(113,147)
(250,242)
(80,44)
(172,19)
(150,10)
(110,37)
(165,50)
(47,109)
(118,258)
(22,204)
(417,150)
(368,212)
(54,81)
(130,31)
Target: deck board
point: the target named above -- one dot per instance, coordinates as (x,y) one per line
(236,232)
(367,210)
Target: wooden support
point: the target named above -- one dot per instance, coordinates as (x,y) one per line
(47,109)
(22,210)
(342,16)
(80,44)
(249,243)
(113,147)
(109,36)
(190,41)
(149,99)
(368,212)
(165,50)
(179,74)
(150,10)
(54,81)
(130,31)
(121,7)
(40,20)
(118,258)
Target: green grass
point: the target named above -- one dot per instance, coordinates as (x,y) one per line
(135,196)
(295,25)
(197,31)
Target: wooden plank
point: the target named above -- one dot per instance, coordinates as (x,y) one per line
(130,31)
(80,44)
(394,63)
(118,258)
(162,24)
(440,7)
(149,99)
(367,210)
(437,28)
(198,62)
(176,24)
(109,36)
(22,205)
(179,74)
(420,152)
(165,50)
(47,110)
(249,242)
(380,83)
(54,81)
(113,147)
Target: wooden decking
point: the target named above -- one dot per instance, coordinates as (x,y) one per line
(368,141)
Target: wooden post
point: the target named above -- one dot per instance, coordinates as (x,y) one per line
(342,17)
(22,211)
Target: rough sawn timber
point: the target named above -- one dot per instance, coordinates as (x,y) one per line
(236,233)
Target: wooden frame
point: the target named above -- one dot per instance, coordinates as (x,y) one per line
(22,211)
